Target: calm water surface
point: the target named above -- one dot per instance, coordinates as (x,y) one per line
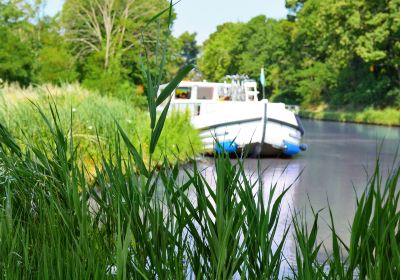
(336,166)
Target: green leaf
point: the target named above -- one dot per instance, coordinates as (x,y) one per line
(138,159)
(169,9)
(7,139)
(150,89)
(157,131)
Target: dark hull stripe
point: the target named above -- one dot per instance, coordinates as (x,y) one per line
(230,123)
(287,124)
(253,120)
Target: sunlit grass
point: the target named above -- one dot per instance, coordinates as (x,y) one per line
(93,122)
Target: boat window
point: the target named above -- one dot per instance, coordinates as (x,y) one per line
(224,93)
(205,93)
(251,89)
(183,92)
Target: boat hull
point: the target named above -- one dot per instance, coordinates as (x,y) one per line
(257,128)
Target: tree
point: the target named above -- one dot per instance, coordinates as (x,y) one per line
(188,47)
(315,83)
(107,37)
(16,54)
(220,52)
(356,38)
(54,60)
(16,58)
(97,26)
(266,42)
(182,51)
(244,48)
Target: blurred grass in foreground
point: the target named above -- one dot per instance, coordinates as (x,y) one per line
(127,224)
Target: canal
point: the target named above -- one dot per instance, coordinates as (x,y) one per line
(340,159)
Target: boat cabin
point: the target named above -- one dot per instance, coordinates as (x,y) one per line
(206,91)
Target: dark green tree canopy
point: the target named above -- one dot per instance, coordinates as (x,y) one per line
(335,52)
(189,49)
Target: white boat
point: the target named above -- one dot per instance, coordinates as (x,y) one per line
(231,118)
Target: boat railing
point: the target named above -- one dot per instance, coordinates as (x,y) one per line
(195,107)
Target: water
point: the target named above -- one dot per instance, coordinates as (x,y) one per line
(336,167)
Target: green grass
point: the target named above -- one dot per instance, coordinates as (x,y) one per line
(388,116)
(93,122)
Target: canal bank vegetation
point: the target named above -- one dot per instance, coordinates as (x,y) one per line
(387,116)
(91,118)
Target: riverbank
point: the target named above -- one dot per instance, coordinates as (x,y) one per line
(91,119)
(388,116)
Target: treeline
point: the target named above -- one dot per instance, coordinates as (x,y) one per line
(336,53)
(327,54)
(97,43)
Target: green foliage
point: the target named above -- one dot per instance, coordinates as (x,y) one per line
(16,54)
(16,58)
(54,61)
(94,119)
(341,53)
(32,50)
(220,52)
(107,39)
(264,42)
(315,83)
(357,39)
(55,65)
(95,43)
(108,82)
(181,52)
(188,47)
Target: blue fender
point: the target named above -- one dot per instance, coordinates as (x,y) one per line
(290,149)
(226,147)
